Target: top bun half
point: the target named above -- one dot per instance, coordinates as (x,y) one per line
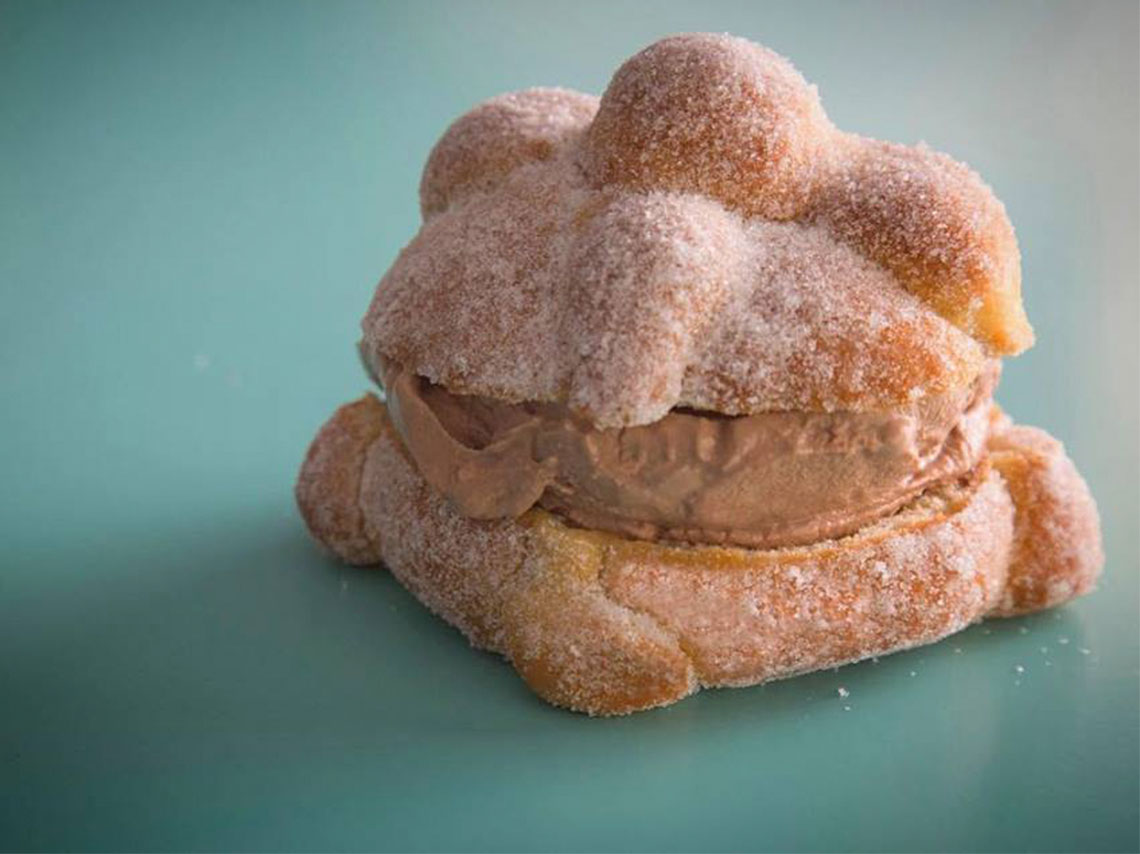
(704,237)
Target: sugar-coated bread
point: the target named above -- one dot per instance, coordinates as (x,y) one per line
(1057,551)
(717,116)
(498,136)
(328,487)
(625,305)
(606,625)
(720,232)
(937,227)
(701,237)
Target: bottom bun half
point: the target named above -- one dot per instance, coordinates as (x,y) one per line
(606,625)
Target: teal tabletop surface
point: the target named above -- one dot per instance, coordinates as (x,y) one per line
(196,201)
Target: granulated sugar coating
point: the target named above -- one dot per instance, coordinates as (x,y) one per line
(701,237)
(526,126)
(932,222)
(607,625)
(714,115)
(1042,479)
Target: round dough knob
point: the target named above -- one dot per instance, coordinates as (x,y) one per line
(715,115)
(499,135)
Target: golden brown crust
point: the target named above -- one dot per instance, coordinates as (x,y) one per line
(938,228)
(705,222)
(749,616)
(733,121)
(718,116)
(498,136)
(578,648)
(647,302)
(328,486)
(605,625)
(1057,552)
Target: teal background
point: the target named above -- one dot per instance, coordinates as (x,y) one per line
(196,200)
